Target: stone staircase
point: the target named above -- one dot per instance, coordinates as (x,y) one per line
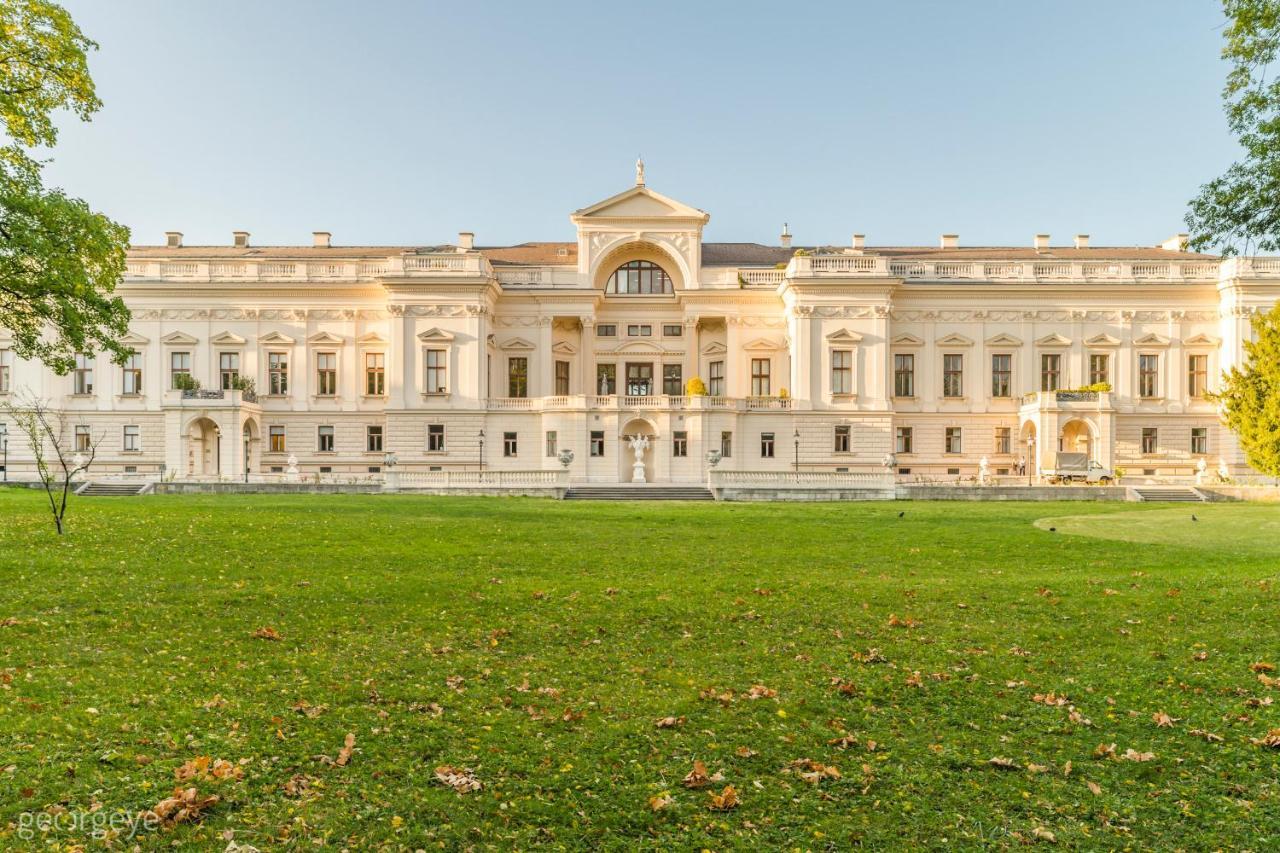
(112,490)
(624,492)
(1178,494)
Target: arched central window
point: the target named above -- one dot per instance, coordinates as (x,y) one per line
(639,277)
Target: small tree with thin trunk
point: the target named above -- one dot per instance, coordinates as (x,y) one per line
(1250,395)
(56,463)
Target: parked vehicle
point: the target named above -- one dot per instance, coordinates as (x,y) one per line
(1079,468)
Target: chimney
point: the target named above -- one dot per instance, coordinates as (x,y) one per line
(1082,241)
(320,239)
(466,240)
(1041,242)
(173,239)
(950,241)
(859,241)
(785,238)
(240,239)
(1176,243)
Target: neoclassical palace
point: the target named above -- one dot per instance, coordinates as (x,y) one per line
(930,360)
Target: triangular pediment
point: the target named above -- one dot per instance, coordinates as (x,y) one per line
(639,202)
(641,348)
(908,340)
(227,338)
(1003,340)
(763,344)
(325,338)
(954,340)
(564,348)
(371,338)
(1054,340)
(275,338)
(715,348)
(134,339)
(179,338)
(844,336)
(1103,340)
(509,344)
(440,335)
(1202,340)
(1152,340)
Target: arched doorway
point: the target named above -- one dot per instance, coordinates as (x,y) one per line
(1078,436)
(204,451)
(248,438)
(1029,454)
(627,456)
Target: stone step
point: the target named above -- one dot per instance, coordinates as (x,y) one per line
(113,490)
(639,493)
(1170,495)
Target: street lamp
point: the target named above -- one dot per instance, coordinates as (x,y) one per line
(246,455)
(4,446)
(1031,457)
(480,459)
(797,444)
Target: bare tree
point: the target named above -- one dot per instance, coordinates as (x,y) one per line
(56,464)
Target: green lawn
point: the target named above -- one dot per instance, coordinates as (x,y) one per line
(536,644)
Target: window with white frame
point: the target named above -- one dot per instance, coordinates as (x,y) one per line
(726,444)
(6,370)
(1200,440)
(715,384)
(1148,375)
(606,379)
(1001,375)
(373,438)
(953,374)
(672,330)
(562,377)
(1150,440)
(375,374)
(902,440)
(435,438)
(597,442)
(1099,368)
(179,369)
(841,371)
(437,372)
(1050,371)
(275,438)
(131,374)
(510,444)
(607,330)
(518,376)
(760,385)
(904,375)
(324,439)
(132,439)
(1197,375)
(955,440)
(551,443)
(84,440)
(843,438)
(326,374)
(1004,440)
(228,370)
(766,445)
(672,380)
(680,443)
(277,373)
(83,373)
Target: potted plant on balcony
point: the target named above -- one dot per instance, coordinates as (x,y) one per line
(695,387)
(185,382)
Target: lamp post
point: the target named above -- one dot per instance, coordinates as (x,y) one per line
(1031,457)
(796,439)
(4,446)
(480,457)
(246,456)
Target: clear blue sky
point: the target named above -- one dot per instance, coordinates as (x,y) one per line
(405,122)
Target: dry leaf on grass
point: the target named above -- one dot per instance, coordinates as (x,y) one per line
(658,802)
(266,632)
(812,771)
(669,722)
(723,801)
(1003,763)
(459,779)
(1262,666)
(1209,736)
(1163,720)
(759,691)
(348,746)
(699,778)
(208,769)
(1271,739)
(1134,755)
(186,804)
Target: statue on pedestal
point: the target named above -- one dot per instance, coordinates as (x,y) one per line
(291,472)
(638,444)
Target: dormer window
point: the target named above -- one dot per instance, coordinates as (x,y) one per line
(639,277)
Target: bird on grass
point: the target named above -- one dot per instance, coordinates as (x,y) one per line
(901,514)
(1053,529)
(1193,517)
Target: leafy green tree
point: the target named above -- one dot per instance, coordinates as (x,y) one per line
(59,260)
(1250,395)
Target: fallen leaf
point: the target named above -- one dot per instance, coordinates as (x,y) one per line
(1094,788)
(348,746)
(669,722)
(459,779)
(1209,736)
(266,632)
(658,802)
(697,777)
(1134,755)
(1003,763)
(723,801)
(1163,720)
(183,806)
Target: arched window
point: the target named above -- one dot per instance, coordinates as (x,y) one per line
(639,277)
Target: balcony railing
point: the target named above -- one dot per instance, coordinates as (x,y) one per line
(623,401)
(1092,399)
(811,266)
(478,479)
(406,265)
(806,479)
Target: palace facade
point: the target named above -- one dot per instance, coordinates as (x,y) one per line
(466,357)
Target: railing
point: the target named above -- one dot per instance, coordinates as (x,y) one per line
(765,277)
(623,401)
(218,394)
(478,479)
(1097,398)
(855,265)
(435,263)
(807,479)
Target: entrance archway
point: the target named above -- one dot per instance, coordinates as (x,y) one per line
(627,457)
(1079,436)
(248,438)
(204,451)
(1029,455)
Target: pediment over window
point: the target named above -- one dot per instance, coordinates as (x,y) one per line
(564,348)
(954,340)
(908,340)
(509,344)
(275,338)
(642,348)
(227,339)
(763,344)
(1003,340)
(134,339)
(844,336)
(1152,340)
(181,338)
(371,338)
(1103,340)
(1054,340)
(325,338)
(440,335)
(1202,340)
(715,348)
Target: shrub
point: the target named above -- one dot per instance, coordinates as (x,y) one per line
(185,382)
(695,387)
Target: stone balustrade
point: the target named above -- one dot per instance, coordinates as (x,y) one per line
(818,266)
(622,401)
